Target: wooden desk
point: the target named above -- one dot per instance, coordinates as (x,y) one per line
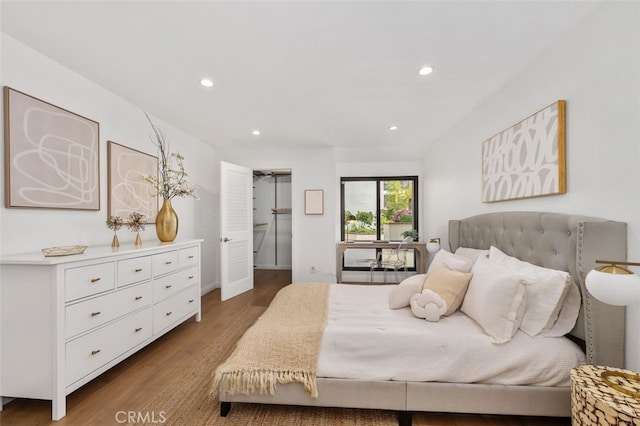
(420,250)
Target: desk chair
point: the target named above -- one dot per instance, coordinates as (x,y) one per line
(397,260)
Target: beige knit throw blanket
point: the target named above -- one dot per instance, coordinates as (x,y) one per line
(281,347)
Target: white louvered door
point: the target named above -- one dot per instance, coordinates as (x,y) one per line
(236,230)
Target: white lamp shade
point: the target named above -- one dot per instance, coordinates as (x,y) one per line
(614,289)
(433,247)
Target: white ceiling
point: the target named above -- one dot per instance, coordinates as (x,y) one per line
(312,73)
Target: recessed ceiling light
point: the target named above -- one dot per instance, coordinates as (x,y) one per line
(256,133)
(206,82)
(426,70)
(392,128)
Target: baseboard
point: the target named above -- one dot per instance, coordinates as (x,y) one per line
(209,288)
(283,267)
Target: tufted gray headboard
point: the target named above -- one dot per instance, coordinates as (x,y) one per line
(565,242)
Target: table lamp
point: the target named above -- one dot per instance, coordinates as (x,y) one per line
(433,245)
(615,285)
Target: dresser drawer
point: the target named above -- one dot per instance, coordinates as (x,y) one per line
(188,256)
(174,309)
(88,280)
(91,351)
(164,263)
(134,270)
(88,314)
(166,286)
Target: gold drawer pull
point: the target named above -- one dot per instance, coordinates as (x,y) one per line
(138,329)
(137,270)
(191,277)
(168,313)
(168,262)
(138,297)
(168,286)
(95,280)
(95,314)
(94,352)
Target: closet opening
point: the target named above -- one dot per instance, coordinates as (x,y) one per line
(272,230)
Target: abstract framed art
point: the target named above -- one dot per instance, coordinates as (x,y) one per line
(528,159)
(51,155)
(127,191)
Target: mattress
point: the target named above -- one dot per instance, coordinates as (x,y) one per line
(364,339)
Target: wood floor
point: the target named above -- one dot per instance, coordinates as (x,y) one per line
(133,383)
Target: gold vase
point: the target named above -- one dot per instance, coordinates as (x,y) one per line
(115,242)
(166,222)
(138,241)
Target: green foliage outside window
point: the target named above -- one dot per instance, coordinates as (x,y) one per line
(365,217)
(363,223)
(397,196)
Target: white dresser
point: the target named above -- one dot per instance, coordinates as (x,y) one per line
(65,320)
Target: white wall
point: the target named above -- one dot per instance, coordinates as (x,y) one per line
(597,70)
(29,230)
(313,235)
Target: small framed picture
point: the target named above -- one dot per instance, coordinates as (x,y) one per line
(314,201)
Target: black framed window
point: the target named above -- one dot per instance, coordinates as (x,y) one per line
(376,208)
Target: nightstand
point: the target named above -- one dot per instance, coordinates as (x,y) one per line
(594,402)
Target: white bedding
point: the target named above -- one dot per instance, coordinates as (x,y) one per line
(364,339)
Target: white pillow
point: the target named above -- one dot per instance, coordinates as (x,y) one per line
(471,253)
(545,293)
(568,314)
(495,299)
(401,294)
(453,261)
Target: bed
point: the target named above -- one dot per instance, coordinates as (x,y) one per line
(562,242)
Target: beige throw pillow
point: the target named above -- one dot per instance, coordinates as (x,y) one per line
(450,285)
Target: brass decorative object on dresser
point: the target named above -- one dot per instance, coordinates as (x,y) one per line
(171,181)
(65,320)
(611,398)
(167,222)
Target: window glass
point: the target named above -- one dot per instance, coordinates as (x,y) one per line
(377,208)
(360,207)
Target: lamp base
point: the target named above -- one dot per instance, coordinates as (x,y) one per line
(608,378)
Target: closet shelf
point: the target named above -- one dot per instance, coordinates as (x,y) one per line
(281,210)
(259,224)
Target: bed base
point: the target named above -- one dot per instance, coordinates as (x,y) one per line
(405,418)
(407,397)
